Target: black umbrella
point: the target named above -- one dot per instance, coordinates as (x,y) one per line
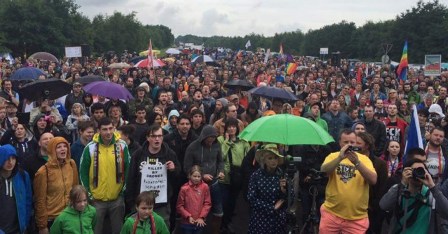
(89,79)
(239,84)
(48,89)
(273,92)
(137,59)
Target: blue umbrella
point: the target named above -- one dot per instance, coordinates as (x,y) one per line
(273,92)
(27,73)
(108,89)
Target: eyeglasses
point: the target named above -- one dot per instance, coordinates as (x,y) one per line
(156,136)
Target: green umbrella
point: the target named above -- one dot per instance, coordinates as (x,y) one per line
(286,129)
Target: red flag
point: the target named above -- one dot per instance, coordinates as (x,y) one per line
(359,75)
(150,57)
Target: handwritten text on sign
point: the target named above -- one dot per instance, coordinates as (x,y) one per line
(154,178)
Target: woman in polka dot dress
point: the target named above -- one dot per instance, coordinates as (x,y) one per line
(268,193)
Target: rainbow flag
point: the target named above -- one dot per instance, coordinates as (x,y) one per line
(402,70)
(291,68)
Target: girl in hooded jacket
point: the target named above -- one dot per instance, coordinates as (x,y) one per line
(78,217)
(53,182)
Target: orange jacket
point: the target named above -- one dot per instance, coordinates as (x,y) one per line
(52,184)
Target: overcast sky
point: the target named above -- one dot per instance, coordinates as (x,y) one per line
(239,17)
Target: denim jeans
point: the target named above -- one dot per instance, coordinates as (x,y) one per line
(191,229)
(215,194)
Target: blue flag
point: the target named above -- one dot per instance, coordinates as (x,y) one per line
(414,137)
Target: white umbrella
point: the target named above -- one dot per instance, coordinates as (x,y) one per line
(203,59)
(172,51)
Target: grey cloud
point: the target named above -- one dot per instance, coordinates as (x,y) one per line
(211,18)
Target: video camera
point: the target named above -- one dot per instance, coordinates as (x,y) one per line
(292,164)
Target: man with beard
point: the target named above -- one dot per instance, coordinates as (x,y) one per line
(436,154)
(376,128)
(411,95)
(395,127)
(153,151)
(178,141)
(442,99)
(166,87)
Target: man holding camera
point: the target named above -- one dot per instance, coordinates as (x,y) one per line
(347,192)
(417,202)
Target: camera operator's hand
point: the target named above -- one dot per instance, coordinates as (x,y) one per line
(406,176)
(352,156)
(283,185)
(343,152)
(278,204)
(428,181)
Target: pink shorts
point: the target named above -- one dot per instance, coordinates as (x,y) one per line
(330,224)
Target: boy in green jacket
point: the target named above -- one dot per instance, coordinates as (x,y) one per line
(145,220)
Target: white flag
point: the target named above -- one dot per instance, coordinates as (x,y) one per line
(268,53)
(248,44)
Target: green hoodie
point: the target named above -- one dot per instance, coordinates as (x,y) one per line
(144,227)
(73,222)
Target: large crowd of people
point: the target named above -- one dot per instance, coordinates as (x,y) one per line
(84,163)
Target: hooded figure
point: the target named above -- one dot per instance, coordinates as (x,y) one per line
(15,193)
(206,153)
(169,127)
(208,157)
(53,182)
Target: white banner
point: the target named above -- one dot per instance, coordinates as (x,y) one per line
(73,52)
(155,178)
(323,51)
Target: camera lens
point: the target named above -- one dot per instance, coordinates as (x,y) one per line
(418,172)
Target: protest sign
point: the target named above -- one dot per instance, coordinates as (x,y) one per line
(154,178)
(433,64)
(73,52)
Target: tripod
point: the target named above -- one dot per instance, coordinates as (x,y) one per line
(313,219)
(291,219)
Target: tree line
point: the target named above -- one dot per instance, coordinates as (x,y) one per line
(424,26)
(29,26)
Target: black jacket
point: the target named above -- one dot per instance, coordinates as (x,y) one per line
(208,158)
(378,130)
(134,174)
(178,145)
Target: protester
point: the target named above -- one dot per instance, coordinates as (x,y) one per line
(79,210)
(86,130)
(103,169)
(413,201)
(33,163)
(268,193)
(145,220)
(194,202)
(77,115)
(15,193)
(347,193)
(233,150)
(153,151)
(206,153)
(53,182)
(393,157)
